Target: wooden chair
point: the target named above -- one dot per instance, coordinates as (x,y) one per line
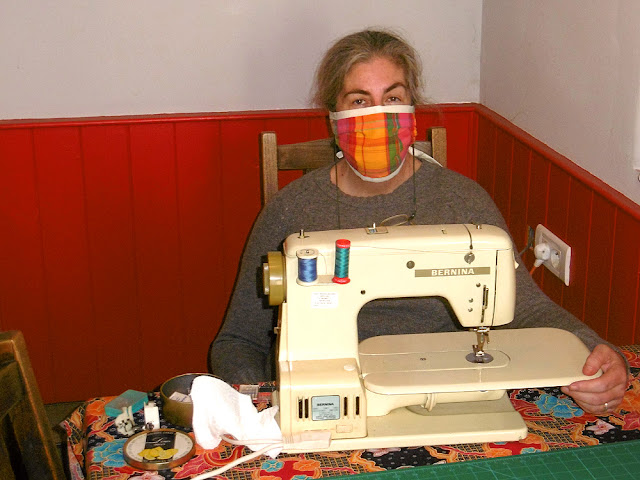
(27,446)
(317,153)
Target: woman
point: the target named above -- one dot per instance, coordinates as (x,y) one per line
(367,81)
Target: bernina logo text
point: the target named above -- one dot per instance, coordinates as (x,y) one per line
(452,272)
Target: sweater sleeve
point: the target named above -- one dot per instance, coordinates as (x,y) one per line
(241,351)
(533,307)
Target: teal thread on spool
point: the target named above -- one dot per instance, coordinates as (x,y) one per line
(341,270)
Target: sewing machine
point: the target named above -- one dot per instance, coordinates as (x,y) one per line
(404,390)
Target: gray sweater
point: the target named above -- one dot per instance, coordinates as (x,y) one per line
(241,352)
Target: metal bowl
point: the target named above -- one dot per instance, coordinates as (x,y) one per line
(175,411)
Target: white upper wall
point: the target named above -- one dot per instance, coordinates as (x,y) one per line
(568,72)
(72,58)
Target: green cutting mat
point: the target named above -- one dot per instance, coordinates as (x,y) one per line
(603,462)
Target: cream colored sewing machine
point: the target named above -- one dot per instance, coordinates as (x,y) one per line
(404,390)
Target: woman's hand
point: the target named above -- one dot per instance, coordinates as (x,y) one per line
(603,394)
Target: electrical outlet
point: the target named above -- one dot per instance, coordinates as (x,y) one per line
(559,253)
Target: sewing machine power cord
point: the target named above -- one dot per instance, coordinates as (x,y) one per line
(305,440)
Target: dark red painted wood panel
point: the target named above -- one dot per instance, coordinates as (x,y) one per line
(557,216)
(580,199)
(599,265)
(62,203)
(23,297)
(517,219)
(158,252)
(502,172)
(624,283)
(239,160)
(486,156)
(458,122)
(112,254)
(200,203)
(537,200)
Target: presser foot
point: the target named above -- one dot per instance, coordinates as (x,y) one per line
(479,355)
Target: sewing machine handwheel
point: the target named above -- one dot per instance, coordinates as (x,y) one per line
(273,279)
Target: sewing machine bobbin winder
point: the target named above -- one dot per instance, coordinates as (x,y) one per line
(406,390)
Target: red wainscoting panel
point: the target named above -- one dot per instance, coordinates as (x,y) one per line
(110,234)
(625,266)
(601,230)
(601,225)
(200,199)
(580,203)
(121,236)
(65,252)
(23,289)
(557,212)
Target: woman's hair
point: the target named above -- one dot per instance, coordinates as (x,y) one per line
(362,47)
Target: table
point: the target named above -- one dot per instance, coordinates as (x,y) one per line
(554,421)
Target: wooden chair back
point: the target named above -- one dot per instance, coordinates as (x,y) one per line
(307,156)
(27,445)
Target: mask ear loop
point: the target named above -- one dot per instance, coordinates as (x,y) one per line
(412,218)
(337,155)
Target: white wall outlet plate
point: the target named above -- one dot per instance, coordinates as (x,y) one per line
(559,261)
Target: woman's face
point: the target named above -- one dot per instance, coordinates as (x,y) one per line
(378,81)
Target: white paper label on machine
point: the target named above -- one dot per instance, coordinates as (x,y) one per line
(324,300)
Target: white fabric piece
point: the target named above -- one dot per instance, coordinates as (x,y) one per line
(219,409)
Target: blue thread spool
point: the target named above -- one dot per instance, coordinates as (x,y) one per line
(341,271)
(307,265)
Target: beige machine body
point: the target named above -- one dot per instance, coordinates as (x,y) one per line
(403,390)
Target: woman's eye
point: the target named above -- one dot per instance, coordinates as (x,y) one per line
(394,100)
(359,102)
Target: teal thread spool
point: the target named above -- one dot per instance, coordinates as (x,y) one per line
(341,271)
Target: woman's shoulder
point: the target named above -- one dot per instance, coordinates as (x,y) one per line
(306,196)
(313,183)
(458,193)
(450,180)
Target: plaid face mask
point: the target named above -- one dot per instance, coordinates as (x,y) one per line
(375,140)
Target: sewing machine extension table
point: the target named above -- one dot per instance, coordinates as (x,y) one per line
(562,442)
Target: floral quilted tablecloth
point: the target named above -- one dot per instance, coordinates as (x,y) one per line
(554,422)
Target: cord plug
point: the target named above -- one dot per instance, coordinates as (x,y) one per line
(542,252)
